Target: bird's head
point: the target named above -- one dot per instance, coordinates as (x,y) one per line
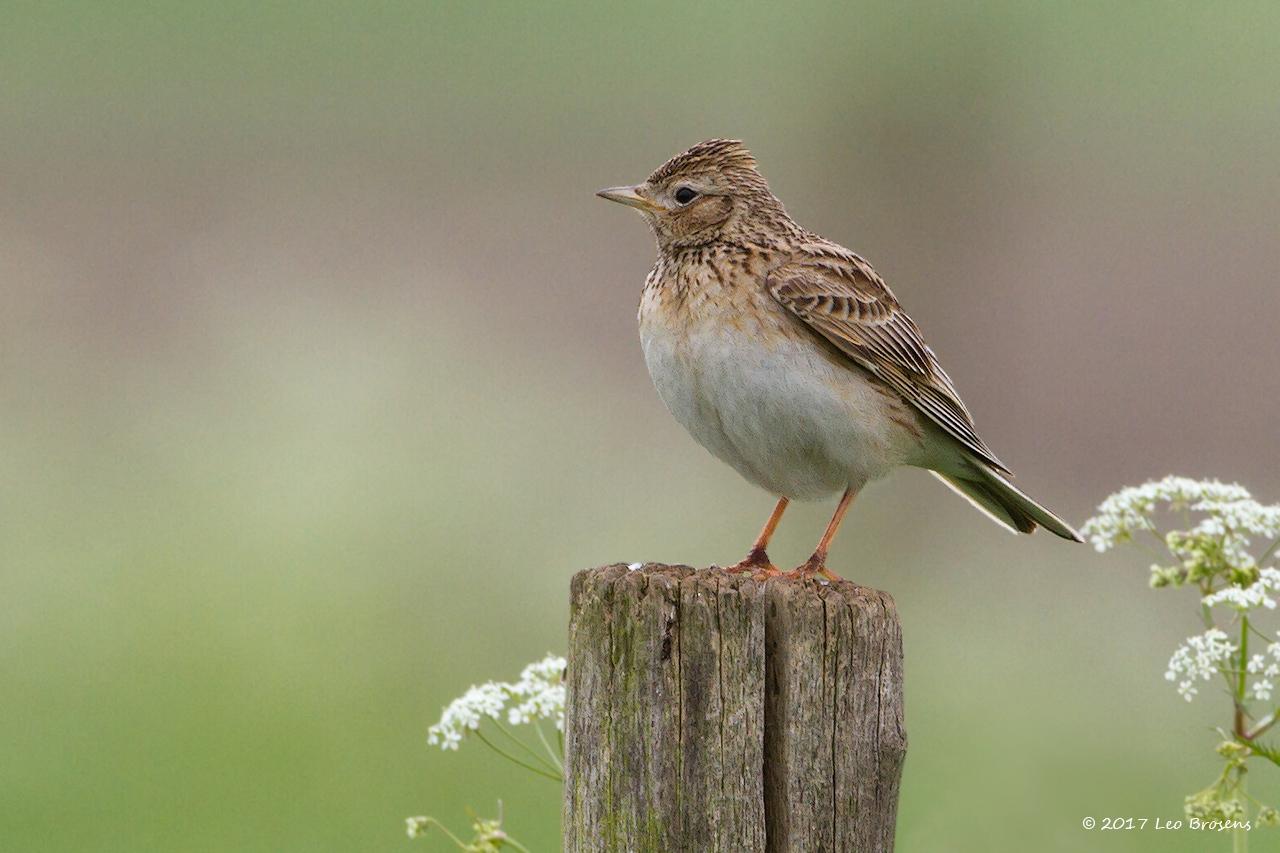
(708,193)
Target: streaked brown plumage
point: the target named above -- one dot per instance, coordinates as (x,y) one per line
(787,356)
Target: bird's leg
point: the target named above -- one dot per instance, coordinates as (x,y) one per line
(757,560)
(817,564)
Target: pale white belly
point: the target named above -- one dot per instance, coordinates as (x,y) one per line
(782,414)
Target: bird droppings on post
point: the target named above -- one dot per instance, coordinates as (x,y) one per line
(634,566)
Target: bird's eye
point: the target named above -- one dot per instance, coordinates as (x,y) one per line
(684,195)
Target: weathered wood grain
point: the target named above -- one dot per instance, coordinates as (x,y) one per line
(835,738)
(712,712)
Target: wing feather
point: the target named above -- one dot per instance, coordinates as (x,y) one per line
(839,296)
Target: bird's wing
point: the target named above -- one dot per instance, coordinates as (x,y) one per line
(839,296)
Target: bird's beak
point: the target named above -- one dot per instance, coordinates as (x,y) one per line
(629,196)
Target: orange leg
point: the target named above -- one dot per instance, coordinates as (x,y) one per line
(817,564)
(757,559)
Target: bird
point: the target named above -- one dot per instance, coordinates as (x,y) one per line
(788,357)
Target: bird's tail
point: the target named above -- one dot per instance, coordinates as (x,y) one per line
(998,499)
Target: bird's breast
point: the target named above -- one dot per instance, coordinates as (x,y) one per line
(753,386)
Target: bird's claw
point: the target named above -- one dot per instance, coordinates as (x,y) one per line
(815,565)
(757,564)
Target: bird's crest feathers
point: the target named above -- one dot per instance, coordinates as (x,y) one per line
(720,154)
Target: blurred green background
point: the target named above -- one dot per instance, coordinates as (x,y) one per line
(320,378)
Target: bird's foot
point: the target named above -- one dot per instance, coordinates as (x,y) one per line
(815,565)
(757,564)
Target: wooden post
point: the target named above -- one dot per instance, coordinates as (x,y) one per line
(712,712)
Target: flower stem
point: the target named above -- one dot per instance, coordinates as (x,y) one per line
(440,826)
(547,745)
(514,760)
(549,766)
(1206,615)
(1242,679)
(1261,728)
(1266,555)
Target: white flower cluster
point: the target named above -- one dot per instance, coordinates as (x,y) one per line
(1248,597)
(416,827)
(1268,668)
(1211,554)
(465,713)
(539,695)
(540,692)
(1131,510)
(1200,658)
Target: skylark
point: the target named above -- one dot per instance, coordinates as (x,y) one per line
(788,357)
